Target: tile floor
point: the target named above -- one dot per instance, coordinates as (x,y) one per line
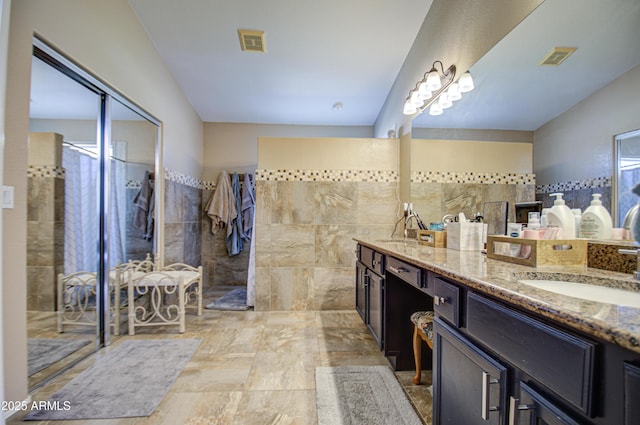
(255,368)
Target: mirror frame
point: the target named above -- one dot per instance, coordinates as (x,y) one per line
(617,172)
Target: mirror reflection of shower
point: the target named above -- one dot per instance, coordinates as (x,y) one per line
(628,172)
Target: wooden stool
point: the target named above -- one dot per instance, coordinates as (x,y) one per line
(422,331)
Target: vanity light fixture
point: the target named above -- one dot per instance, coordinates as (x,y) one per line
(437,91)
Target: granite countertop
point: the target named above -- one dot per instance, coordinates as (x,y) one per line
(614,323)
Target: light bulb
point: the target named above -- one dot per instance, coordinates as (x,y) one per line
(453,92)
(433,80)
(415,99)
(409,109)
(435,109)
(444,101)
(465,83)
(425,93)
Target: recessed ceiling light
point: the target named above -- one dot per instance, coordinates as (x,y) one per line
(337,106)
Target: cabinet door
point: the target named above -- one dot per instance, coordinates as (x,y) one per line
(361,291)
(469,387)
(631,394)
(532,408)
(376,311)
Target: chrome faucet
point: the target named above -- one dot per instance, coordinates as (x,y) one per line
(636,252)
(407,218)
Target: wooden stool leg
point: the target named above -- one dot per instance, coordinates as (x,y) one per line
(417,355)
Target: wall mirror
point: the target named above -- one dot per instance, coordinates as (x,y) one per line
(91,156)
(514,92)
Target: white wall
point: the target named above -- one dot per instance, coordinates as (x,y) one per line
(107,39)
(578,144)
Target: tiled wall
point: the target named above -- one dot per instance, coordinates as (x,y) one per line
(45,235)
(577,194)
(305,224)
(435,194)
(182,219)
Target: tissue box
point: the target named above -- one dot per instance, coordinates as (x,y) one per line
(465,236)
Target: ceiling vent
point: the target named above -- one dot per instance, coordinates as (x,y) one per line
(252,41)
(557,55)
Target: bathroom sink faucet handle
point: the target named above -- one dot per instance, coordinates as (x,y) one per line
(635,252)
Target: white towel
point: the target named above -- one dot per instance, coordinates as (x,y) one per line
(221,207)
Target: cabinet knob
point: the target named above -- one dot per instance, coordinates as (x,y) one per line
(437,300)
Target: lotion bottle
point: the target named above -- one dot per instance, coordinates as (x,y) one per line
(596,221)
(560,215)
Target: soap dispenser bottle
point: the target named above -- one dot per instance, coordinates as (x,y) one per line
(596,221)
(560,215)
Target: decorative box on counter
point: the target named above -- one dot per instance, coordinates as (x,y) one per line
(538,252)
(466,236)
(434,238)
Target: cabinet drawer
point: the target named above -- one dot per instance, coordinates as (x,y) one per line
(406,272)
(446,301)
(564,362)
(372,259)
(535,408)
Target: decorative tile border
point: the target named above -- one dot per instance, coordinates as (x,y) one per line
(45,171)
(178,177)
(471,177)
(380,176)
(575,185)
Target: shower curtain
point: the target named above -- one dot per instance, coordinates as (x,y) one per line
(81,218)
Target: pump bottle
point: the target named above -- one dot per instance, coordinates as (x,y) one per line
(560,215)
(596,221)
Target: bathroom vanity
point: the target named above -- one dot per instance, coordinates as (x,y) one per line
(505,352)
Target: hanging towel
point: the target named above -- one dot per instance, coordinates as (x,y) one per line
(221,207)
(234,239)
(248,207)
(143,204)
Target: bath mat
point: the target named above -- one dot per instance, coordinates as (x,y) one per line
(370,395)
(128,381)
(43,352)
(234,300)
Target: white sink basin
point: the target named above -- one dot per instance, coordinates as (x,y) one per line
(585,291)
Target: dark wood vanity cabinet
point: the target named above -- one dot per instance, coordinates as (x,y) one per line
(370,291)
(496,364)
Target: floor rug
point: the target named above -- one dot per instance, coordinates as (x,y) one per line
(234,300)
(366,395)
(43,352)
(128,381)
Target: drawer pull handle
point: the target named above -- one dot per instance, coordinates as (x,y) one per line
(514,410)
(487,380)
(398,270)
(439,300)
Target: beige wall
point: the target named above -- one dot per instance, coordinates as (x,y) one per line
(107,39)
(471,156)
(578,144)
(327,154)
(234,147)
(4,40)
